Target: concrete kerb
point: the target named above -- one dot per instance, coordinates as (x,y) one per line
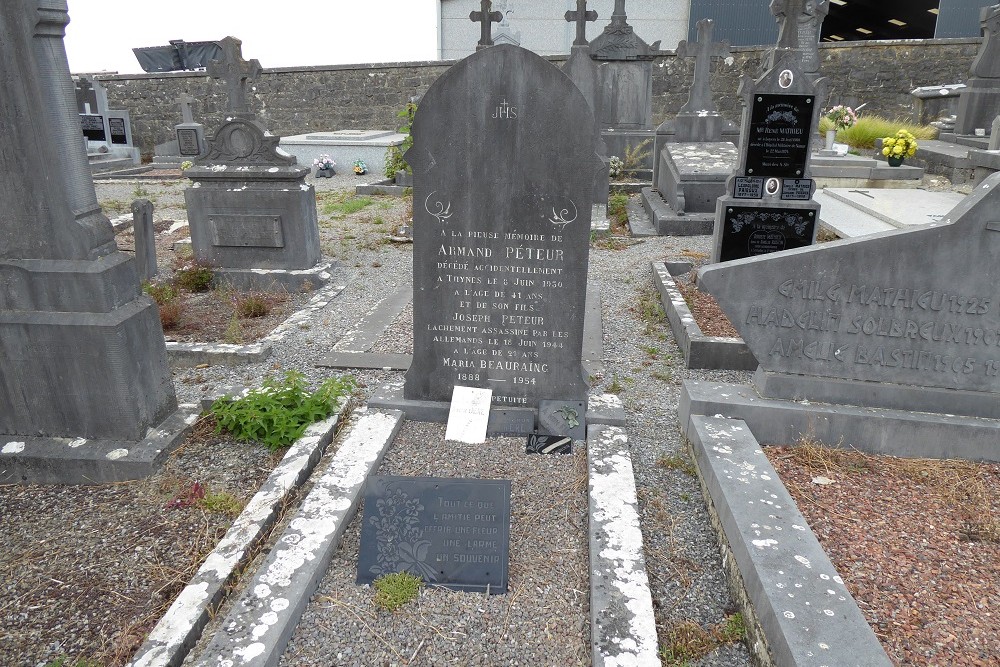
(798,610)
(260,622)
(188,355)
(622,624)
(180,628)
(700,351)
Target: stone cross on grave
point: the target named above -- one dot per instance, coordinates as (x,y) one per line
(700,97)
(185,101)
(581,16)
(986,64)
(485,17)
(234,72)
(788,13)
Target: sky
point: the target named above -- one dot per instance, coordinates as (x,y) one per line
(278,33)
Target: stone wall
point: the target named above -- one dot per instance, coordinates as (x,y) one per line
(305,99)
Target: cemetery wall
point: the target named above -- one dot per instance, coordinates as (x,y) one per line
(306,99)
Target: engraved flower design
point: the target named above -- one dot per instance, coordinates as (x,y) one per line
(398,535)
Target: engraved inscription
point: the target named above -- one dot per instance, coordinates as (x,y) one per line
(505,111)
(248,231)
(187,141)
(778,142)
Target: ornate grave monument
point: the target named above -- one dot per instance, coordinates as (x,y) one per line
(251,213)
(625,95)
(83,365)
(768,204)
(693,152)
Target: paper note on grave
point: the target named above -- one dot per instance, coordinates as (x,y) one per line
(469,414)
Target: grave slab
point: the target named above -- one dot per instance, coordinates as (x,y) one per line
(899,208)
(845,220)
(344,147)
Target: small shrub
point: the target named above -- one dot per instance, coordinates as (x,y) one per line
(193,277)
(162,293)
(869,129)
(633,158)
(252,304)
(392,591)
(171,314)
(221,503)
(234,331)
(394,162)
(278,413)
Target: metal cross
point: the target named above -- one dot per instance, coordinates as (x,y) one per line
(581,16)
(234,72)
(485,18)
(700,98)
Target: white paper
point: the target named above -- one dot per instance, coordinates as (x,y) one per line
(469,415)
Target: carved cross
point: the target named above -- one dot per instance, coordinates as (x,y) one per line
(235,72)
(986,64)
(788,13)
(485,18)
(700,97)
(581,16)
(185,101)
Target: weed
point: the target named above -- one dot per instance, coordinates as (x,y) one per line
(222,503)
(651,350)
(161,292)
(66,661)
(378,220)
(618,212)
(233,334)
(633,158)
(663,376)
(252,304)
(686,641)
(344,205)
(694,254)
(392,591)
(650,310)
(112,206)
(734,629)
(171,314)
(278,413)
(615,387)
(679,463)
(193,276)
(685,496)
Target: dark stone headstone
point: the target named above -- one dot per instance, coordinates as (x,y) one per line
(145,239)
(979,101)
(503,170)
(81,348)
(93,127)
(116,126)
(768,204)
(449,532)
(189,141)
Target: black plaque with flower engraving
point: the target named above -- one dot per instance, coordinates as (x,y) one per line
(778,136)
(449,532)
(749,231)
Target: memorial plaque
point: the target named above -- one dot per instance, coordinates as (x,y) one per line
(748,187)
(244,231)
(187,141)
(118,133)
(503,163)
(563,418)
(796,189)
(749,231)
(778,143)
(469,414)
(449,532)
(93,127)
(511,421)
(549,444)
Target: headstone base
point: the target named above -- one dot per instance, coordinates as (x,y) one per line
(251,217)
(977,106)
(271,280)
(874,430)
(36,460)
(668,222)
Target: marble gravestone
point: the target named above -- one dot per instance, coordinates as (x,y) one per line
(626,86)
(584,72)
(252,215)
(81,348)
(503,173)
(768,205)
(906,320)
(979,101)
(693,152)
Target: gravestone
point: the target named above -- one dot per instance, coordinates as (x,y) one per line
(768,204)
(450,532)
(251,213)
(503,170)
(979,101)
(81,348)
(584,72)
(987,162)
(905,320)
(189,141)
(108,132)
(626,86)
(801,23)
(145,239)
(693,152)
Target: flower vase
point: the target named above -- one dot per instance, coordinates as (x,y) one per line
(324,173)
(894,161)
(831,136)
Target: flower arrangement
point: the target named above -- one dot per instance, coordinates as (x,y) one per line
(360,168)
(900,146)
(616,166)
(324,162)
(842,117)
(186,164)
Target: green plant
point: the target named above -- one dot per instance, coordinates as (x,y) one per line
(160,292)
(66,661)
(678,463)
(734,629)
(633,158)
(650,310)
(651,350)
(221,503)
(900,145)
(345,205)
(233,334)
(252,304)
(869,129)
(140,192)
(278,413)
(394,590)
(193,276)
(394,162)
(110,206)
(686,641)
(615,387)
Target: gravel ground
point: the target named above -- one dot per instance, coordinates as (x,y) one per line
(544,619)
